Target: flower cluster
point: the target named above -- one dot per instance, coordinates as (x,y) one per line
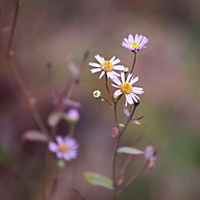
(123,81)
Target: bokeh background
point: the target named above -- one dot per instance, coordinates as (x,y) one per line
(50,31)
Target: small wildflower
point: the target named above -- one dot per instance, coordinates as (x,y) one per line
(66,148)
(106,66)
(135,44)
(73,115)
(97,94)
(126,88)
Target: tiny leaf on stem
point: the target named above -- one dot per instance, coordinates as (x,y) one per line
(34,135)
(129,150)
(54,118)
(99,180)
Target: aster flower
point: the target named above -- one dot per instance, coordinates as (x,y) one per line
(135,44)
(66,148)
(126,88)
(106,66)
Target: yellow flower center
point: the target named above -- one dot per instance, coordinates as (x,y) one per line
(126,88)
(107,66)
(63,148)
(135,45)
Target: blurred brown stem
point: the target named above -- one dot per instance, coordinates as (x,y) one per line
(133,178)
(117,146)
(13,26)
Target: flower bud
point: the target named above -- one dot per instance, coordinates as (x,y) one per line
(126,70)
(97,94)
(61,164)
(73,115)
(115,132)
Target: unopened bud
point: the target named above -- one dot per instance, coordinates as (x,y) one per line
(150,155)
(126,70)
(148,152)
(73,115)
(61,164)
(115,132)
(97,94)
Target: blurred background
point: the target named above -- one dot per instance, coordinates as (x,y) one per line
(50,31)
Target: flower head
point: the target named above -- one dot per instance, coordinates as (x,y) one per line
(106,66)
(135,44)
(65,148)
(126,88)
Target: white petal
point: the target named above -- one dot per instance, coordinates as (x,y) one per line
(99,58)
(116,86)
(116,61)
(128,78)
(117,81)
(112,59)
(102,73)
(130,38)
(93,64)
(117,93)
(135,97)
(137,90)
(134,80)
(122,77)
(129,99)
(95,70)
(119,67)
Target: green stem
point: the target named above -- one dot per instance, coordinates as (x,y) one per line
(71,130)
(107,101)
(106,80)
(13,26)
(54,183)
(134,61)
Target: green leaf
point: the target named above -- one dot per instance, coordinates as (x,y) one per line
(97,179)
(129,150)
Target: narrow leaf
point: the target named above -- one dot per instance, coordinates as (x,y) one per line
(34,135)
(129,150)
(54,118)
(99,180)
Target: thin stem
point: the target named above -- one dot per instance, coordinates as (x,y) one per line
(134,61)
(28,97)
(71,130)
(107,88)
(13,26)
(128,159)
(117,146)
(54,183)
(115,153)
(129,119)
(133,178)
(74,82)
(77,193)
(107,101)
